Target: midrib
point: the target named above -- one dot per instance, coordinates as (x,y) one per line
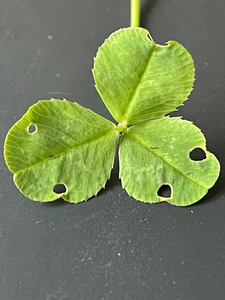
(65,152)
(136,88)
(164,160)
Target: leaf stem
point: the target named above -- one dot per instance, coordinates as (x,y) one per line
(135,13)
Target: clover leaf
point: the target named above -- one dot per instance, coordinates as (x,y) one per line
(76,150)
(139,82)
(157,153)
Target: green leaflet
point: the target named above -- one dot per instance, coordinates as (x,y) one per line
(139,80)
(71,145)
(156,153)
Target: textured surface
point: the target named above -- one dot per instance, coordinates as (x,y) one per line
(138,80)
(76,150)
(153,74)
(111,247)
(157,153)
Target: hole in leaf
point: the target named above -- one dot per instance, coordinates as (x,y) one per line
(32,128)
(164,191)
(60,188)
(197,154)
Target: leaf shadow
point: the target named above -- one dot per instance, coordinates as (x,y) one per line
(214,193)
(114,178)
(58,202)
(146,11)
(219,188)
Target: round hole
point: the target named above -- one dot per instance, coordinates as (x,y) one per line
(32,128)
(59,188)
(197,154)
(164,191)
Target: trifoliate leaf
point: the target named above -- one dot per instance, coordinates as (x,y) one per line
(140,80)
(157,153)
(60,142)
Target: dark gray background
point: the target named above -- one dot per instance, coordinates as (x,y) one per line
(112,247)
